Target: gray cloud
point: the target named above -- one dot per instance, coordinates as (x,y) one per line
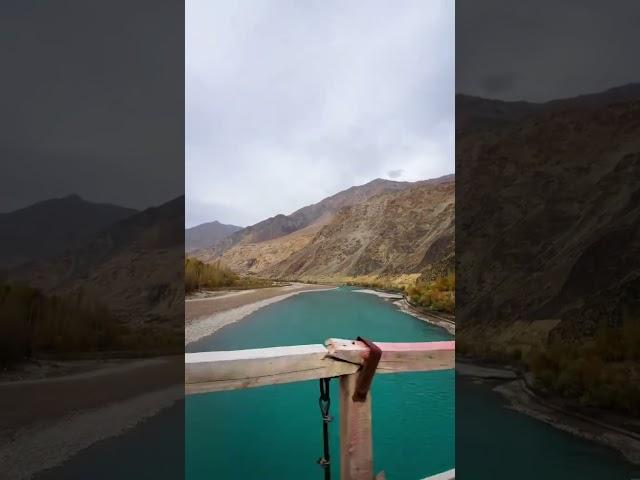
(498,83)
(395,173)
(92,102)
(288,102)
(551,49)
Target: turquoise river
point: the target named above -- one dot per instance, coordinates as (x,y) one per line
(275,431)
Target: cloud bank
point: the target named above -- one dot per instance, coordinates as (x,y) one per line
(545,50)
(288,102)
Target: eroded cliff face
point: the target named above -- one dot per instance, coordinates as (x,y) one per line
(551,203)
(407,232)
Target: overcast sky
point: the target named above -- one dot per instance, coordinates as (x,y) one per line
(288,102)
(92,101)
(545,49)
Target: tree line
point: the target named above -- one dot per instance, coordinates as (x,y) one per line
(32,322)
(210,276)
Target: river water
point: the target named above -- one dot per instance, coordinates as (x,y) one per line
(496,442)
(275,431)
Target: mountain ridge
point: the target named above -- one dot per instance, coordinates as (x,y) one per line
(477,114)
(130,266)
(280,225)
(290,253)
(207,234)
(390,234)
(50,227)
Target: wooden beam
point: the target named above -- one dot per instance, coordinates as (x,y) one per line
(356,445)
(397,357)
(229,370)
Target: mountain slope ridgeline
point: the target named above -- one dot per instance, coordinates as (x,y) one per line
(380,229)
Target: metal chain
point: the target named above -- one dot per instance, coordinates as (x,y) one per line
(325,402)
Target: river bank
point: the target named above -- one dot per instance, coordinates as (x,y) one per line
(438,319)
(204,316)
(51,419)
(515,386)
(441,320)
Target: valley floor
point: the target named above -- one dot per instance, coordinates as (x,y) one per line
(206,315)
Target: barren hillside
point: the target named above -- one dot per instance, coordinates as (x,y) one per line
(391,234)
(281,225)
(577,164)
(381,229)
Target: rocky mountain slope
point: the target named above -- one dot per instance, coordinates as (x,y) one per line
(281,225)
(551,202)
(382,228)
(391,234)
(207,234)
(257,258)
(133,267)
(475,114)
(49,228)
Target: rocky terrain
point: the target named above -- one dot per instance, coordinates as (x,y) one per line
(381,229)
(281,225)
(133,267)
(49,228)
(391,234)
(257,258)
(551,211)
(207,234)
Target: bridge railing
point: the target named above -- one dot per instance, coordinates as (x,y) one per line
(231,370)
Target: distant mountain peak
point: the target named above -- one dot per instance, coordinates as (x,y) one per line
(381,181)
(206,234)
(50,227)
(74,197)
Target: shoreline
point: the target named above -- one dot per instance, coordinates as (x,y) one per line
(55,442)
(377,293)
(513,386)
(433,319)
(203,326)
(400,301)
(90,406)
(209,296)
